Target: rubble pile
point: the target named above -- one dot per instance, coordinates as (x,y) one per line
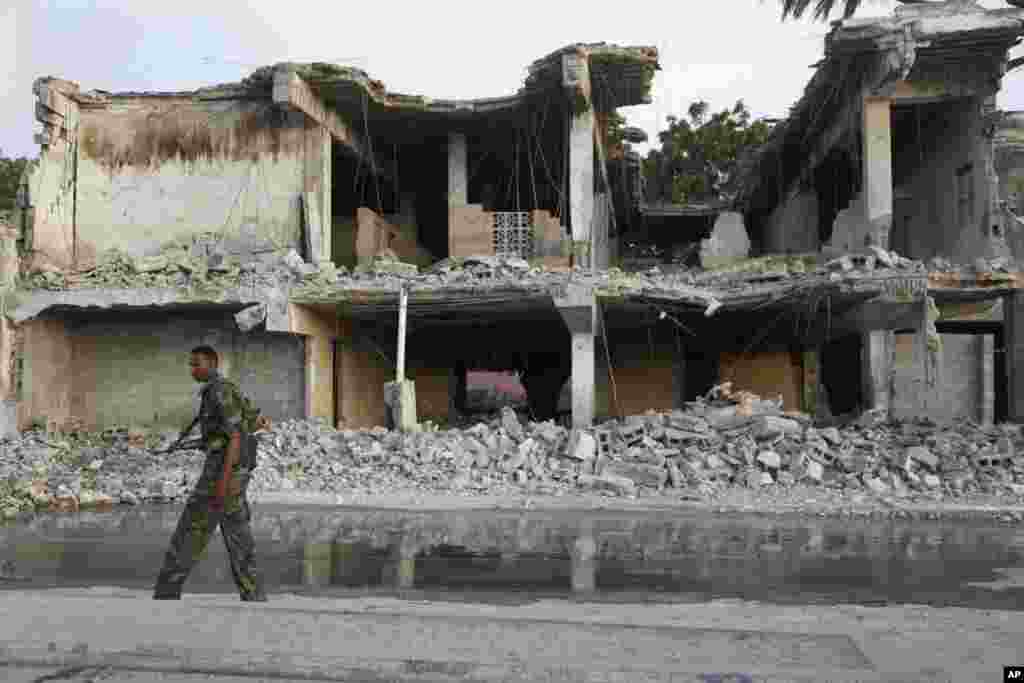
(496,271)
(186,267)
(740,439)
(727,439)
(174,267)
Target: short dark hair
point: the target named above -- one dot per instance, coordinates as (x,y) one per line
(209,353)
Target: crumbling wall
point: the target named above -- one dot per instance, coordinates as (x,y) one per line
(48,199)
(955,393)
(151,170)
(947,206)
(48,373)
(373,234)
(132,370)
(551,244)
(9,265)
(470,231)
(851,229)
(792,227)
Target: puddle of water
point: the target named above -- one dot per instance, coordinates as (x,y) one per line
(511,556)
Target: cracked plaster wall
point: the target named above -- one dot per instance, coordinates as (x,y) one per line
(153,170)
(114,369)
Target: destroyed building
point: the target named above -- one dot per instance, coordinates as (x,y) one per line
(285,218)
(892,147)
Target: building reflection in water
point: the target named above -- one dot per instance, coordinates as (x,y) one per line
(582,555)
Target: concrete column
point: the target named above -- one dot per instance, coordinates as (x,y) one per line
(578,309)
(986,366)
(1013,321)
(576,73)
(877,160)
(876,368)
(458,177)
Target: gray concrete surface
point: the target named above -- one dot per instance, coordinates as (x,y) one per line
(377,639)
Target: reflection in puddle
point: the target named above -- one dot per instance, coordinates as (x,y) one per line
(493,555)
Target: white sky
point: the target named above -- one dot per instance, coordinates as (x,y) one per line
(719,51)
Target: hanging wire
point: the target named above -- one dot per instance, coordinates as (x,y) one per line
(515,164)
(369,143)
(559,190)
(608,359)
(529,158)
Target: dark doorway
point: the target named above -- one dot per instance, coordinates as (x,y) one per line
(841,374)
(1001,408)
(701,372)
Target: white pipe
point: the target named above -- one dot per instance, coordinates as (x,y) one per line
(402,306)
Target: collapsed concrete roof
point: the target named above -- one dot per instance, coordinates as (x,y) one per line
(918,43)
(621,75)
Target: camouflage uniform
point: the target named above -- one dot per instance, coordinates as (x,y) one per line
(224,410)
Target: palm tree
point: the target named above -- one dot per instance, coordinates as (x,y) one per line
(822,8)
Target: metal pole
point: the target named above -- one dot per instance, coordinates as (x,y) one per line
(402,306)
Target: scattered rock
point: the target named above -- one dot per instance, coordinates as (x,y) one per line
(639,473)
(608,482)
(770,459)
(922,455)
(510,421)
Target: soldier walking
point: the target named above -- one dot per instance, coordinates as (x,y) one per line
(227,420)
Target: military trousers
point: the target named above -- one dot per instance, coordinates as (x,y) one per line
(198,522)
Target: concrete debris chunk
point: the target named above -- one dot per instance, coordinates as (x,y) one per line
(923,456)
(770,459)
(510,421)
(883,257)
(843,263)
(608,482)
(248,318)
(584,446)
(293,261)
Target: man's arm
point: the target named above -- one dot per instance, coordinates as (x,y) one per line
(231,413)
(232,456)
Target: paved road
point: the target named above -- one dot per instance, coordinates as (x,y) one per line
(118,635)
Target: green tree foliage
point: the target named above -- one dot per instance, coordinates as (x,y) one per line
(699,155)
(616,122)
(10,176)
